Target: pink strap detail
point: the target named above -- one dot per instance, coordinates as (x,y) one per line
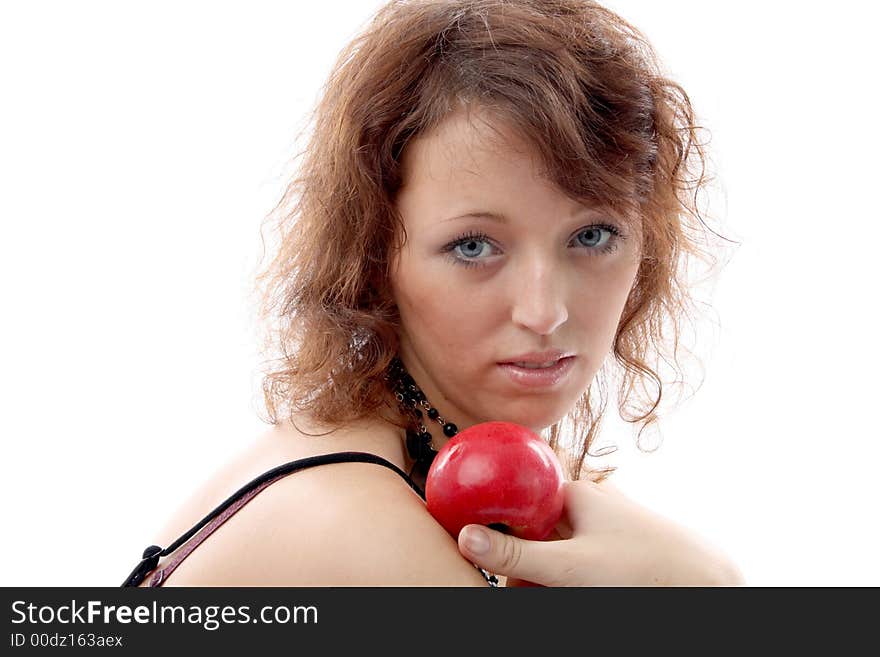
(161,574)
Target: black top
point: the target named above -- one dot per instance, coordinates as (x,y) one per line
(234,502)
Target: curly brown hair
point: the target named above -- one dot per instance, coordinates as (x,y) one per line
(580,84)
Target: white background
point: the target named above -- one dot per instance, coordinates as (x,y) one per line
(141,145)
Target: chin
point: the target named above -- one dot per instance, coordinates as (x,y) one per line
(536,423)
(543,416)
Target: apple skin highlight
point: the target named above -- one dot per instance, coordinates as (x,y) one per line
(496,473)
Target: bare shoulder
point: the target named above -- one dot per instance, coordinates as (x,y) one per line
(339,524)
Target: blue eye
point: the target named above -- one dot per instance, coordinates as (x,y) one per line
(472,244)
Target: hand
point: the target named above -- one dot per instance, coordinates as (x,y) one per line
(604,539)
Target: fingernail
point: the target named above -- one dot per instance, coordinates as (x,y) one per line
(475,540)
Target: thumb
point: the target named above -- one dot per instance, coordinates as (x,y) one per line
(508,555)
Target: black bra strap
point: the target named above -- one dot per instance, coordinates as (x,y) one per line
(153,553)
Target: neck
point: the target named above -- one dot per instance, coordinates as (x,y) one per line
(428,431)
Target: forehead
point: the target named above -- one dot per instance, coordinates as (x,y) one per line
(474,160)
(468,143)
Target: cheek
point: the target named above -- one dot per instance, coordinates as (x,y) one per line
(599,308)
(434,308)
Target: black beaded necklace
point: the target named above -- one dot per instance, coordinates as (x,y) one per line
(410,397)
(418,442)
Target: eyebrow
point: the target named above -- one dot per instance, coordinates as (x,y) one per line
(503,219)
(491,216)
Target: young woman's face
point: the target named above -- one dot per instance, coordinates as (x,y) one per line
(474,292)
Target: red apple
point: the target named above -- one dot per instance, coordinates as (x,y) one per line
(498,474)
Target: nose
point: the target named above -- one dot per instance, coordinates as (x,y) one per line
(539,299)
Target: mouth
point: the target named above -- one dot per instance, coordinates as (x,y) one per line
(534,366)
(538,359)
(536,375)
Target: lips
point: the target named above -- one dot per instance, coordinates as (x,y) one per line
(541,377)
(534,366)
(538,358)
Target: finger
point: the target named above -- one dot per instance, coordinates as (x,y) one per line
(562,530)
(579,496)
(533,561)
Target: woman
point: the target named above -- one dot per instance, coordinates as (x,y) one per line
(495,199)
